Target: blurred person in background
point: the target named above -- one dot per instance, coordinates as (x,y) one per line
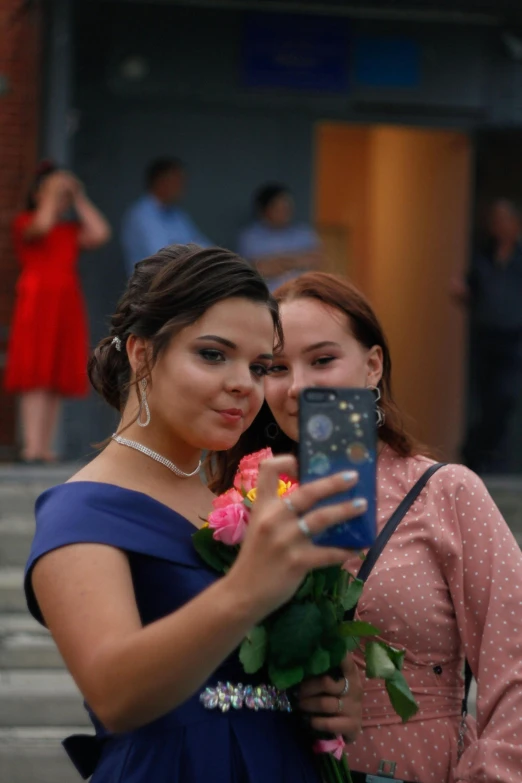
(279,248)
(156,220)
(48,342)
(492,290)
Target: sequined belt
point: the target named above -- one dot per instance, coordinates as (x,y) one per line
(255,697)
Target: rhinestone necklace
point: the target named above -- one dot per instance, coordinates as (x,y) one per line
(133,444)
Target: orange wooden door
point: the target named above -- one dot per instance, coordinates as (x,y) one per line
(402,196)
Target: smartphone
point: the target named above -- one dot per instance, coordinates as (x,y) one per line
(338,431)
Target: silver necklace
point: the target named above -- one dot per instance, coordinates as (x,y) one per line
(133,444)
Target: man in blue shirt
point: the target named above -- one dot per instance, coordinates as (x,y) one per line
(279,248)
(155,220)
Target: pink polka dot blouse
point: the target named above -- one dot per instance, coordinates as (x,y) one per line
(447,586)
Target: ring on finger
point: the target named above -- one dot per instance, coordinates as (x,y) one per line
(290,506)
(340,706)
(302,524)
(346,687)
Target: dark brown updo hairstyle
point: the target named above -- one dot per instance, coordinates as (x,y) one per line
(44,170)
(167,292)
(340,295)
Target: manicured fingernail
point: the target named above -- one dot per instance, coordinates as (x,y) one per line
(349,475)
(360,503)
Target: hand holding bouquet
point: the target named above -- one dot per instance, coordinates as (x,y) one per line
(305,635)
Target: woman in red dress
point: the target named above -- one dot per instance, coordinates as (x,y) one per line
(48,345)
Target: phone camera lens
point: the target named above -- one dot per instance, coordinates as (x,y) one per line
(316,396)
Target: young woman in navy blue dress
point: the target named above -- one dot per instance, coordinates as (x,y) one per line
(142,623)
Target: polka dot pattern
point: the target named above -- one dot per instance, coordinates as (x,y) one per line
(447,586)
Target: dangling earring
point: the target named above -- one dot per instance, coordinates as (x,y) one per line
(272,430)
(381,416)
(144,405)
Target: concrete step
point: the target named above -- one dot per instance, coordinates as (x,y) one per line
(29,755)
(25,644)
(42,698)
(16,535)
(18,499)
(20,485)
(12,598)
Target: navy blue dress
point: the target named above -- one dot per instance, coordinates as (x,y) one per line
(190,744)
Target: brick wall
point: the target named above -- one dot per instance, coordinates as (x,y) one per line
(20,70)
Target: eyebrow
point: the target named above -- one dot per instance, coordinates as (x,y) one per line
(323,344)
(229,344)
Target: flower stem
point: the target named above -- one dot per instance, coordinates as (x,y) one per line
(346,770)
(336,765)
(326,770)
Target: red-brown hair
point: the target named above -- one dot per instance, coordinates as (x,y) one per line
(341,295)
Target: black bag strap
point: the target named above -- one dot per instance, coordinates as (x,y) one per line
(382,539)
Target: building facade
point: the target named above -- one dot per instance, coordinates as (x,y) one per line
(20,111)
(244,92)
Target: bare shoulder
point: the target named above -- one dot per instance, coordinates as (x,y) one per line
(192,499)
(105,469)
(100,469)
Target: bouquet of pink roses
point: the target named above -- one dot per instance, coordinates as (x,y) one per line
(308,636)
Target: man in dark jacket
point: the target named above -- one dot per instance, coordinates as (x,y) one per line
(493,292)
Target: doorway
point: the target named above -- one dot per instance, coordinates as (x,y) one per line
(400,200)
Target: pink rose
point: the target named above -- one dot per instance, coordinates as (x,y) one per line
(248,470)
(246,479)
(229,523)
(227,498)
(252,461)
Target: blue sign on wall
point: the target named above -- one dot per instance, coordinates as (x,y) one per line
(385,61)
(295,52)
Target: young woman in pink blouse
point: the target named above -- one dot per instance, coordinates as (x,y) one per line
(448,585)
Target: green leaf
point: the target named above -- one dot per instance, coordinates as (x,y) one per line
(208,549)
(319,583)
(252,652)
(401,697)
(337,648)
(331,578)
(378,662)
(397,656)
(285,678)
(306,588)
(295,634)
(352,594)
(343,578)
(328,614)
(351,644)
(318,664)
(227,553)
(247,503)
(358,628)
